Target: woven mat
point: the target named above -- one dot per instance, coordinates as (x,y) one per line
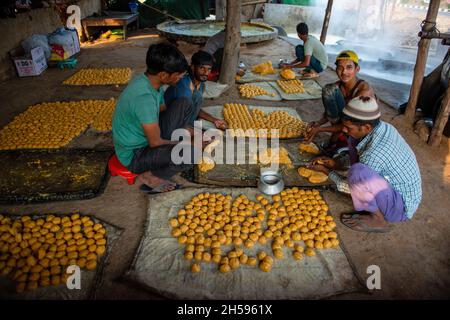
(90,280)
(41,175)
(159,264)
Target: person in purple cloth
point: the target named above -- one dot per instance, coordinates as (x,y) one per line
(384,178)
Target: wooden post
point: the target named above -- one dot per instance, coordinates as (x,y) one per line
(250,3)
(441,121)
(232,42)
(326,21)
(421,60)
(220,9)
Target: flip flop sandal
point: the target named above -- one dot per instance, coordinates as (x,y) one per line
(353,215)
(149,190)
(361,226)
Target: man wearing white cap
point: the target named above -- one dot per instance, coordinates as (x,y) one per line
(384,178)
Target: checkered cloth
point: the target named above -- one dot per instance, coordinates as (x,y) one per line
(386,152)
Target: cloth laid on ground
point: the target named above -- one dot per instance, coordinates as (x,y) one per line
(91,280)
(217,112)
(266,86)
(312,91)
(214,89)
(159,264)
(39,176)
(249,76)
(300,76)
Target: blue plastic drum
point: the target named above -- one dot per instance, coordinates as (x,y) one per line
(133,6)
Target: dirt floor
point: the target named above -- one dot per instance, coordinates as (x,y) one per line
(414,258)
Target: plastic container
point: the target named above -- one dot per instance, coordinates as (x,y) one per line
(133,7)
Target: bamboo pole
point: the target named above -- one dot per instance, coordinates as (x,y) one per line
(232,42)
(220,9)
(326,21)
(441,121)
(421,60)
(253,2)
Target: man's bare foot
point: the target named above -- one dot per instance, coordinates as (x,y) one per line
(154,182)
(366,222)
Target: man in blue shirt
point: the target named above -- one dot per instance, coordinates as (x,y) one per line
(191,88)
(142,124)
(384,178)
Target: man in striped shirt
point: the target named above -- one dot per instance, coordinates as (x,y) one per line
(384,178)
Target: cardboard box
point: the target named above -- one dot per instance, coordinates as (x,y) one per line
(29,65)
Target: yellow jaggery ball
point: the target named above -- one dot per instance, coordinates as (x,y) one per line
(287,74)
(195,268)
(32,285)
(206,164)
(91,264)
(327,244)
(261,255)
(234,263)
(310,147)
(318,245)
(305,172)
(265,266)
(224,268)
(334,243)
(206,257)
(278,253)
(216,258)
(297,255)
(243,259)
(318,177)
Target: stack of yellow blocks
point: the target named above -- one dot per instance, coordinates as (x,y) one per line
(94,76)
(291,86)
(240,119)
(54,124)
(251,90)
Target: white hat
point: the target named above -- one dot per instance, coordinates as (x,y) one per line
(362,108)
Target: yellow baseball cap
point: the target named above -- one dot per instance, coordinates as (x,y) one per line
(348,55)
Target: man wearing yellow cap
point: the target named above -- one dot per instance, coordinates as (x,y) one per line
(336,95)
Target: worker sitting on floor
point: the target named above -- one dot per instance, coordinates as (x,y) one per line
(142,124)
(214,46)
(336,95)
(311,55)
(384,178)
(191,87)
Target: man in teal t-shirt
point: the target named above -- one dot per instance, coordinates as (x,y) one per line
(142,124)
(311,55)
(130,114)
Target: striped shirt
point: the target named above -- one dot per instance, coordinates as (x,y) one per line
(385,151)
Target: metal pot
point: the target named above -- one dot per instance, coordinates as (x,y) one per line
(270,182)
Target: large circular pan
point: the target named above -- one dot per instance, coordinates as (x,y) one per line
(199,31)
